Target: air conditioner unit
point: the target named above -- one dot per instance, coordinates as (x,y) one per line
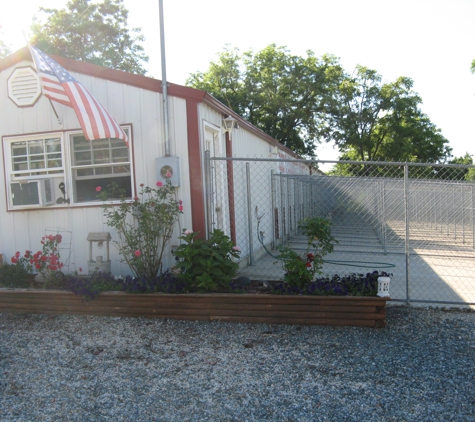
(35,192)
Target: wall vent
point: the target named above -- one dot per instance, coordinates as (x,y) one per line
(24,87)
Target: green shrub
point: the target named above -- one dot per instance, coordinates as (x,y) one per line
(13,276)
(144,225)
(300,269)
(207,265)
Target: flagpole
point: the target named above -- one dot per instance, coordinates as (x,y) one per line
(55,113)
(164,81)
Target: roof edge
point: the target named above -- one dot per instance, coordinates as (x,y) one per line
(147,83)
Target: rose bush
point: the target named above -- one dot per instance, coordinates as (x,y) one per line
(144,225)
(45,262)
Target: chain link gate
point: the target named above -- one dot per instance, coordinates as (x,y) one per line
(415,221)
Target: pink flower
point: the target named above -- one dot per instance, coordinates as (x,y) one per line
(136,198)
(141,185)
(180,208)
(168,175)
(159,184)
(187,232)
(180,202)
(98,189)
(236,248)
(80,269)
(137,253)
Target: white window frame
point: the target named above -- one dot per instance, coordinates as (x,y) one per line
(44,178)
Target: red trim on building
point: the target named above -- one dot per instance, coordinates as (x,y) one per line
(196,172)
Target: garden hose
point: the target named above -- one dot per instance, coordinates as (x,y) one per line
(358,264)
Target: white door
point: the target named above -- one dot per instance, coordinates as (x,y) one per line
(213,144)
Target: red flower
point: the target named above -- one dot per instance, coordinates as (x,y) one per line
(137,253)
(159,184)
(180,208)
(98,189)
(308,264)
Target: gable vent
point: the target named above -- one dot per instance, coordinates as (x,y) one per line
(24,87)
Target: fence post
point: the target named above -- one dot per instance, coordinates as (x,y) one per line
(473,217)
(249,214)
(283,215)
(272,186)
(289,212)
(383,215)
(209,192)
(406,218)
(463,213)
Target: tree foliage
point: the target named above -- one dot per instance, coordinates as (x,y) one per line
(374,121)
(302,101)
(93,32)
(278,92)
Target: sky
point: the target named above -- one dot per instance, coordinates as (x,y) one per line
(430,41)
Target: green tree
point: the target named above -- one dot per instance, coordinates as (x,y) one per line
(91,32)
(278,92)
(454,173)
(374,121)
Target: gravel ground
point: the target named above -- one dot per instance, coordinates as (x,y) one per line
(421,367)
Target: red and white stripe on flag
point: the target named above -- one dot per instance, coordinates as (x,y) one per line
(60,86)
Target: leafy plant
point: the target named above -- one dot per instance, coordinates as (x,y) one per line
(165,283)
(350,285)
(13,276)
(45,262)
(91,285)
(144,225)
(300,269)
(207,265)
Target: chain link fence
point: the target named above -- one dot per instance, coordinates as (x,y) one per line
(415,221)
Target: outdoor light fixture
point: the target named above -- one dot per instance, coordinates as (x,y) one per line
(383,286)
(229,124)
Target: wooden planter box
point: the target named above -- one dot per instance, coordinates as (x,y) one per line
(248,308)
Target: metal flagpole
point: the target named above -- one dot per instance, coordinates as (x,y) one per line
(164,81)
(55,113)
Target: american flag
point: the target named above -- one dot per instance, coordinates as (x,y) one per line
(60,86)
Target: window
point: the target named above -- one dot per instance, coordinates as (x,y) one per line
(99,163)
(45,170)
(36,157)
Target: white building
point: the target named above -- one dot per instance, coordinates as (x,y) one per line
(50,171)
